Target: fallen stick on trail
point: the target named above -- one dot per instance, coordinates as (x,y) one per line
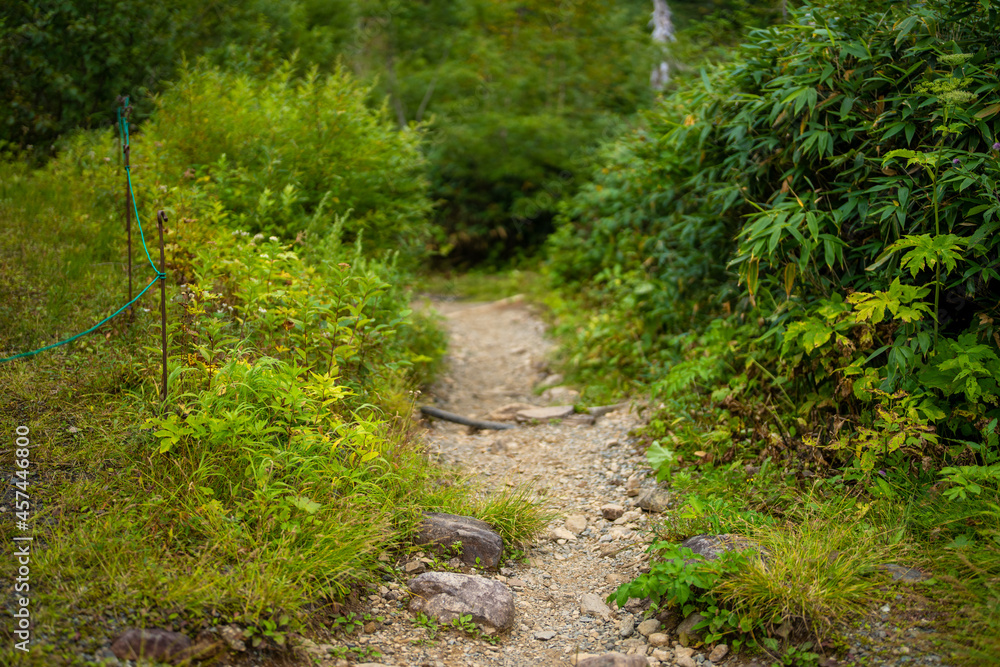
(465,421)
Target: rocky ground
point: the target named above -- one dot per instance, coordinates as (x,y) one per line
(578,465)
(593,478)
(583,468)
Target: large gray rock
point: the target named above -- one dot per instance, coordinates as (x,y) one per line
(477,539)
(152,644)
(654,500)
(614,660)
(447,596)
(710,547)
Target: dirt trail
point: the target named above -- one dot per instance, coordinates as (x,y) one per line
(497,356)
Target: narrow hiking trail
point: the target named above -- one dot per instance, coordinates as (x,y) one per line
(579,466)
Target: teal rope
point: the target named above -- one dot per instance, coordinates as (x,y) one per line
(97,326)
(160,275)
(138,223)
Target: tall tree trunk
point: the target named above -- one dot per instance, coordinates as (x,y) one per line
(663,32)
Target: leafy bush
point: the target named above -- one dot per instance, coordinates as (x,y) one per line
(846,166)
(285,155)
(282,462)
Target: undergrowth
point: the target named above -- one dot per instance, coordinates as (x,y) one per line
(282,463)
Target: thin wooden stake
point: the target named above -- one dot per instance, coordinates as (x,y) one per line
(128,211)
(161,217)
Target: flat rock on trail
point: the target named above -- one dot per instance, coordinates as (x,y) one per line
(497,356)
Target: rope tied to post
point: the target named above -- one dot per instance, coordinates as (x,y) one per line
(160,274)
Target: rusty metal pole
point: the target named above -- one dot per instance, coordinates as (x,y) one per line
(126,149)
(161,218)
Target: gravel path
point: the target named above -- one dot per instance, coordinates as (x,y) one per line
(498,356)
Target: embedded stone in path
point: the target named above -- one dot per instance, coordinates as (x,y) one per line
(550,381)
(593,605)
(612,511)
(576,523)
(658,639)
(632,485)
(543,414)
(718,653)
(614,660)
(480,544)
(560,533)
(654,500)
(508,412)
(152,644)
(561,395)
(686,661)
(601,410)
(648,627)
(900,573)
(545,635)
(311,653)
(232,634)
(580,419)
(447,596)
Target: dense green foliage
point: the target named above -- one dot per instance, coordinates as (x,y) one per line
(835,188)
(797,252)
(795,249)
(281,463)
(514,97)
(65,62)
(508,137)
(286,155)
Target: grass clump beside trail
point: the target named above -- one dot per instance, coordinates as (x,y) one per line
(281,465)
(795,256)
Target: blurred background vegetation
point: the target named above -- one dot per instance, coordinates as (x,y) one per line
(511,99)
(791,246)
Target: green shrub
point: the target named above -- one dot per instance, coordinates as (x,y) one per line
(845,167)
(286,155)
